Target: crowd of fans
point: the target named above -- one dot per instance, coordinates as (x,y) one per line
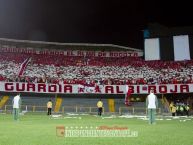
(90,70)
(179,108)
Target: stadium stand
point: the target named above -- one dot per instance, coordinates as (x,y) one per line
(91,70)
(22,66)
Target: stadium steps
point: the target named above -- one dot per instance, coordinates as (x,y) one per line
(165,104)
(4,101)
(58,104)
(111,103)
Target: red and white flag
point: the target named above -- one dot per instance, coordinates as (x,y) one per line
(23,66)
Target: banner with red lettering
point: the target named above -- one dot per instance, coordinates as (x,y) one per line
(73,52)
(101,89)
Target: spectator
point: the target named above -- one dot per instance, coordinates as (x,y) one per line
(152,104)
(49,107)
(100,107)
(16,106)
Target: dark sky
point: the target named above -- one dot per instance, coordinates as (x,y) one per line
(89,21)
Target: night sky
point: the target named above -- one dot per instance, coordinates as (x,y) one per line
(89,21)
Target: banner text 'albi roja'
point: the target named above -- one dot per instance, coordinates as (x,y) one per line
(102,89)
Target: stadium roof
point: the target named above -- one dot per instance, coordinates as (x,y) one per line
(158,30)
(56,45)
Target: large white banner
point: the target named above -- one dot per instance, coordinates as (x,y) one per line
(74,53)
(152,49)
(181,47)
(102,89)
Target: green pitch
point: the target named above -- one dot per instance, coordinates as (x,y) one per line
(41,130)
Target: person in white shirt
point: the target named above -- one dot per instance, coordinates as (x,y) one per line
(16,106)
(152,104)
